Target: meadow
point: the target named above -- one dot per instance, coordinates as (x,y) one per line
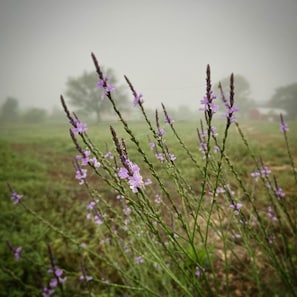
(38,160)
(149,208)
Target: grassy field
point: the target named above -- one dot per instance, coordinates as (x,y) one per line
(37,160)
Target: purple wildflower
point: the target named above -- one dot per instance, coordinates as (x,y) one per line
(135,181)
(81,175)
(137,99)
(168,120)
(108,155)
(148,182)
(158,198)
(256,175)
(160,156)
(283,126)
(86,278)
(236,207)
(198,271)
(16,251)
(16,198)
(84,159)
(79,127)
(271,214)
(265,171)
(133,175)
(279,192)
(209,105)
(152,145)
(123,173)
(58,277)
(139,260)
(94,162)
(171,157)
(47,292)
(98,220)
(104,84)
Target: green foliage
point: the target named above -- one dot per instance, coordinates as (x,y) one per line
(9,110)
(286,97)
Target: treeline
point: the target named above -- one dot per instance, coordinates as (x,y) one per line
(10,112)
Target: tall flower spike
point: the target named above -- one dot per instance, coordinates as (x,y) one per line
(283,126)
(137,97)
(97,67)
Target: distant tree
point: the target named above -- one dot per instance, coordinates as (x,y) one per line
(241,89)
(9,110)
(35,115)
(285,97)
(84,94)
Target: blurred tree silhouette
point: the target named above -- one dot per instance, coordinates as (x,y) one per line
(84,94)
(242,92)
(9,110)
(35,115)
(286,97)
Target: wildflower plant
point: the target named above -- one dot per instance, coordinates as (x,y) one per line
(159,234)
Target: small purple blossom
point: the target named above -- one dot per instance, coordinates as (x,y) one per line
(171,157)
(160,156)
(15,251)
(85,278)
(283,126)
(148,182)
(256,175)
(123,173)
(137,99)
(58,277)
(152,145)
(265,171)
(139,259)
(209,105)
(271,214)
(94,162)
(106,86)
(133,175)
(81,175)
(84,159)
(79,127)
(135,182)
(279,192)
(168,120)
(109,155)
(230,113)
(16,198)
(198,271)
(98,220)
(47,292)
(236,207)
(158,198)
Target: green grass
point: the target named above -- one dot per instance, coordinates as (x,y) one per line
(37,161)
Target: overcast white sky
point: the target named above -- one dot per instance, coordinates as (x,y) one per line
(162,46)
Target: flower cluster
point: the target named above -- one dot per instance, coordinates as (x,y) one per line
(78,127)
(106,86)
(93,212)
(236,207)
(207,103)
(132,173)
(16,198)
(85,159)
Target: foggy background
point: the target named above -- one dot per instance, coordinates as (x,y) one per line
(162,46)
